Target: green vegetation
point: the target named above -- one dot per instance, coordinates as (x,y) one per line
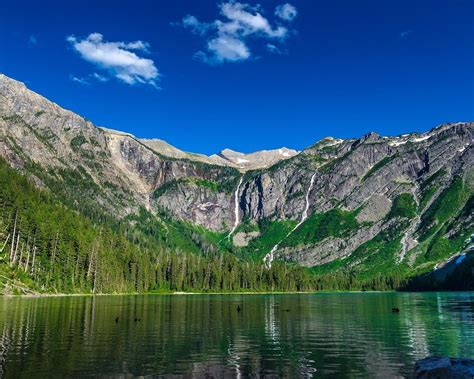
(333,163)
(318,159)
(78,141)
(373,257)
(430,186)
(247,226)
(318,226)
(445,206)
(213,186)
(271,233)
(440,245)
(383,162)
(404,205)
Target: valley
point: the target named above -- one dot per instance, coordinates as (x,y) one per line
(363,213)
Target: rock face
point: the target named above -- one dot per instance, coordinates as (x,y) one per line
(361,191)
(443,367)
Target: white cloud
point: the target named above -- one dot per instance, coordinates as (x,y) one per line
(273,49)
(286,12)
(99,77)
(227,38)
(78,80)
(197,27)
(89,78)
(117,58)
(228,48)
(242,21)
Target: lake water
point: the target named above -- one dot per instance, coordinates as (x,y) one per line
(295,335)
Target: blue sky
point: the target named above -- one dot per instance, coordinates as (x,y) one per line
(208,75)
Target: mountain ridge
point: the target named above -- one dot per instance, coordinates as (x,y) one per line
(224,153)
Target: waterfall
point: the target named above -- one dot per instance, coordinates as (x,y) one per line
(269,257)
(304,216)
(236,207)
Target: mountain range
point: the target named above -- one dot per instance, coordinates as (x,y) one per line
(391,205)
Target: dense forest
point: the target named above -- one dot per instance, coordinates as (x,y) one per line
(48,247)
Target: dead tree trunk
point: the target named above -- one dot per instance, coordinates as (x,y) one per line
(5,243)
(12,249)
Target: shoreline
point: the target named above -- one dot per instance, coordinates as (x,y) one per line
(181,293)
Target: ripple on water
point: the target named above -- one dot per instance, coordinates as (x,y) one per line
(280,335)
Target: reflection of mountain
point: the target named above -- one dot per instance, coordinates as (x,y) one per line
(337,334)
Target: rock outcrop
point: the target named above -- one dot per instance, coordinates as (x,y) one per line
(443,367)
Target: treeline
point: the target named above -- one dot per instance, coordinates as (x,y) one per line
(351,281)
(51,248)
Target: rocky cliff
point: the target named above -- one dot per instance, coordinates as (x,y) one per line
(359,204)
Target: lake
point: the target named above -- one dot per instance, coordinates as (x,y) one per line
(294,335)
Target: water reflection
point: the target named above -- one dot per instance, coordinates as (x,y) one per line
(281,335)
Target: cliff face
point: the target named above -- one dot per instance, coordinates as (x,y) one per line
(118,172)
(352,195)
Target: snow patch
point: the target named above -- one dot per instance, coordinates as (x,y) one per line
(283,153)
(397,143)
(420,139)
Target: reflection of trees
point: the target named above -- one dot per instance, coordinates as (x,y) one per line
(205,335)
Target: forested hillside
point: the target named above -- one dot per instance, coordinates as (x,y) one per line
(47,247)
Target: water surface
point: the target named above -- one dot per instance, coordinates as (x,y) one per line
(320,335)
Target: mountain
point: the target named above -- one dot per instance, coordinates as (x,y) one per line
(227,157)
(252,161)
(368,206)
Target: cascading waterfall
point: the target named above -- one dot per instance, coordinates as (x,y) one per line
(268,259)
(304,216)
(236,208)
